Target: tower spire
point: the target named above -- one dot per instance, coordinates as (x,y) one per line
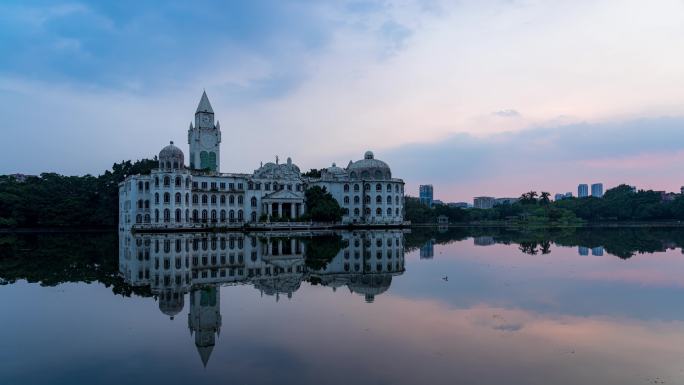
(204,105)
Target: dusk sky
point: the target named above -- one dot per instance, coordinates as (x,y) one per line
(475,97)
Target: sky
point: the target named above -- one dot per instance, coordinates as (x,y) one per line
(489,97)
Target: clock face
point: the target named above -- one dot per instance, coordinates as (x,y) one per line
(208,141)
(205,119)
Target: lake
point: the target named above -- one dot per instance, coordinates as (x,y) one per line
(427,305)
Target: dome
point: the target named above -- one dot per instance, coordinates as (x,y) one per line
(333,172)
(371,285)
(272,170)
(171,157)
(171,303)
(369,168)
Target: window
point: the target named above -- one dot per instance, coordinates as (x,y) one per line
(253,202)
(231,186)
(195,199)
(250,185)
(204,215)
(231,199)
(167,181)
(257,186)
(378,199)
(222,185)
(356,188)
(240,199)
(179,215)
(346,200)
(378,211)
(240,219)
(156,198)
(204,185)
(213,218)
(223,219)
(267,186)
(156,181)
(204,199)
(378,187)
(239,186)
(367,199)
(356,211)
(213,185)
(187,182)
(213,199)
(178,197)
(223,199)
(140,186)
(147,204)
(231,218)
(167,198)
(167,215)
(389,212)
(346,188)
(195,185)
(179,181)
(357,200)
(195,215)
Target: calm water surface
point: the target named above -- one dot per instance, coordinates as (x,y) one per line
(449,306)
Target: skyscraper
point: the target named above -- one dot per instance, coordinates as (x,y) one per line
(597,190)
(582,191)
(425,194)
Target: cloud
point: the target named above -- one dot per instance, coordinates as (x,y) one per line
(506,113)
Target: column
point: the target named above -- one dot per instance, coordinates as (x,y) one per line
(280,209)
(292,211)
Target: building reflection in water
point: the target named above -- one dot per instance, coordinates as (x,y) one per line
(174,264)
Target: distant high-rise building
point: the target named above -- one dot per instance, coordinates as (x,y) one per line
(583,250)
(558,197)
(582,190)
(427,251)
(681,190)
(462,205)
(425,193)
(597,190)
(597,251)
(484,202)
(568,195)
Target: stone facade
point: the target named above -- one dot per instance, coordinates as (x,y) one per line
(177,196)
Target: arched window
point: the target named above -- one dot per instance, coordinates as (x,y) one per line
(231,216)
(378,174)
(156,181)
(378,187)
(389,199)
(389,187)
(213,199)
(357,200)
(223,215)
(140,203)
(231,199)
(167,181)
(353,175)
(389,212)
(356,188)
(396,211)
(396,188)
(187,198)
(356,211)
(179,181)
(367,199)
(240,217)
(254,218)
(187,182)
(240,199)
(253,201)
(346,187)
(346,200)
(187,215)
(204,199)
(167,198)
(396,200)
(147,218)
(179,215)
(367,211)
(378,199)
(213,215)
(178,198)
(223,199)
(168,164)
(195,215)
(195,199)
(365,174)
(175,165)
(156,216)
(366,187)
(167,215)
(140,185)
(204,216)
(156,198)
(138,218)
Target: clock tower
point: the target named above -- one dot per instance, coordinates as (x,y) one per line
(205,138)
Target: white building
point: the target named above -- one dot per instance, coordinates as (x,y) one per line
(597,190)
(582,190)
(177,196)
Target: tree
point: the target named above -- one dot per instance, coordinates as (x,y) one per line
(544,198)
(321,206)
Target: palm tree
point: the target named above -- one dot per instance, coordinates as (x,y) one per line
(544,198)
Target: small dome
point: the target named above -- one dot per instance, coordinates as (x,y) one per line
(171,157)
(171,303)
(333,172)
(369,168)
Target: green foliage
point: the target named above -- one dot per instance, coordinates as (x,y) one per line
(313,173)
(54,200)
(320,250)
(321,206)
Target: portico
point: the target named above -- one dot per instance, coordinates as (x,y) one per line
(283,204)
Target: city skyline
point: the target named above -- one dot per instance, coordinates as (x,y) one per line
(91,84)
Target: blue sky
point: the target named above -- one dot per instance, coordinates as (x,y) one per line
(476,97)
